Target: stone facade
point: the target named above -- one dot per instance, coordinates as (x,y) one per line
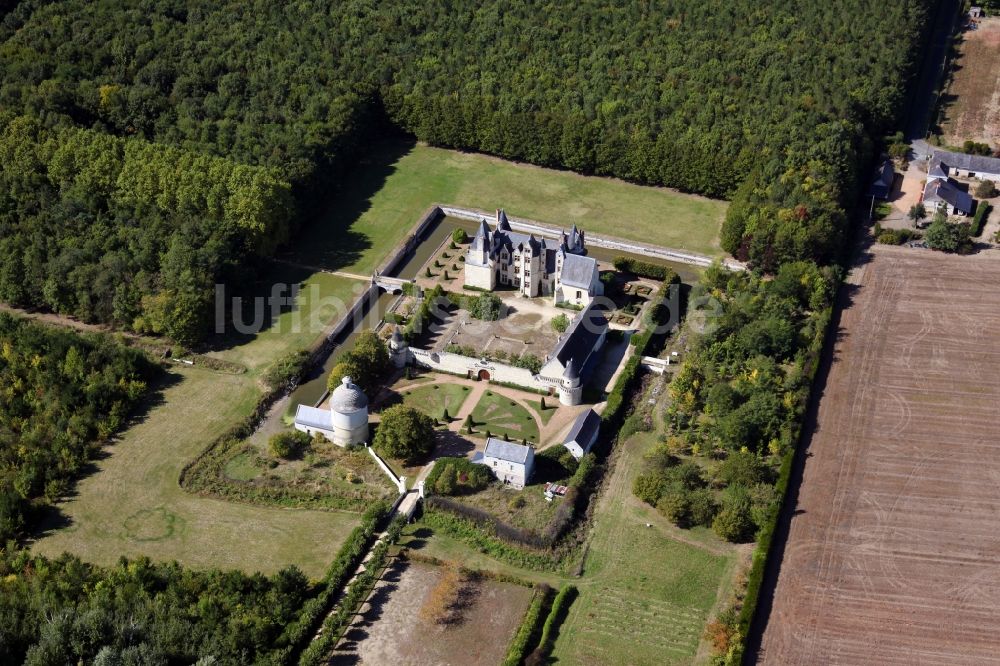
(533,266)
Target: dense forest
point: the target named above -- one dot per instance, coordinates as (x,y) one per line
(139,613)
(767,104)
(61,395)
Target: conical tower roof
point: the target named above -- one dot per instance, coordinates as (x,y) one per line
(502,223)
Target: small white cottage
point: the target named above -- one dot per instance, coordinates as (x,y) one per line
(583,434)
(511,463)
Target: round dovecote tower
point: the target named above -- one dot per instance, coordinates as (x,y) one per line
(570,387)
(350,414)
(399,351)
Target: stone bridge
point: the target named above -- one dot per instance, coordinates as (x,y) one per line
(391,285)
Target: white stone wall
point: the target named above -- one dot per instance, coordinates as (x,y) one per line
(398,481)
(567,294)
(480,277)
(499,372)
(632,247)
(312,432)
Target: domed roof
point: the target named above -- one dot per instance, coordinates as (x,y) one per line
(347,397)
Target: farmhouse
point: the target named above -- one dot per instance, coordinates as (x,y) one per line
(882,185)
(959,165)
(583,434)
(510,463)
(345,423)
(943,194)
(533,266)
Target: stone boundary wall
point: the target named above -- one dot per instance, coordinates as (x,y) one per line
(411,241)
(458,364)
(611,243)
(398,481)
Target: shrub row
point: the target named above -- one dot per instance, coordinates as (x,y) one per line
(979,219)
(348,558)
(550,631)
(646,269)
(337,622)
(418,319)
(530,631)
(465,530)
(765,535)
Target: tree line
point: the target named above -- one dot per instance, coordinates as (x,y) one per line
(61,396)
(64,611)
(776,115)
(126,231)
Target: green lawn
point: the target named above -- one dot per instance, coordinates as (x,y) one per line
(434,399)
(385,196)
(132,504)
(322,299)
(546,414)
(501,415)
(647,592)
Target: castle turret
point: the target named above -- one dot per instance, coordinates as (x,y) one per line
(570,386)
(502,223)
(349,410)
(399,350)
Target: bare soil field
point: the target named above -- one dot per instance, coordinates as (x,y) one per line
(893,549)
(972,102)
(390,629)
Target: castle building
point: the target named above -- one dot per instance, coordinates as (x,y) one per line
(345,423)
(533,266)
(576,355)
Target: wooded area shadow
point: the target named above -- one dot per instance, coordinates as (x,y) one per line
(52,518)
(326,239)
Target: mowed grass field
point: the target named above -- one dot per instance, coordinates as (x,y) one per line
(322,299)
(132,504)
(398,181)
(646,592)
(503,416)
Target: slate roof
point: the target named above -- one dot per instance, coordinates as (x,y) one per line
(584,429)
(313,417)
(974,163)
(514,240)
(883,181)
(579,339)
(578,271)
(502,223)
(507,451)
(947,191)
